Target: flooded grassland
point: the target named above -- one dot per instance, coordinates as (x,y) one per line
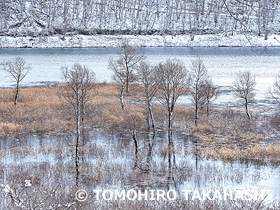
(225,151)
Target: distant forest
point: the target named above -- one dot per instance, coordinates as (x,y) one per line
(227,17)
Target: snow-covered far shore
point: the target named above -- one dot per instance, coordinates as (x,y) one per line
(88,41)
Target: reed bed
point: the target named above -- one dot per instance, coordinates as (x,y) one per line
(225,133)
(269,154)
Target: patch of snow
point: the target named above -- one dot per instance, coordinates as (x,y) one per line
(88,41)
(7,189)
(27,183)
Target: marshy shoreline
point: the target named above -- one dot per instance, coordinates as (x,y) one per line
(226,134)
(36,148)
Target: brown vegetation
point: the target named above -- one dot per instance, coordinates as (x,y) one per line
(225,134)
(255,153)
(9,128)
(40,110)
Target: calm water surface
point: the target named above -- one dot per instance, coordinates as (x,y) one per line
(222,63)
(206,174)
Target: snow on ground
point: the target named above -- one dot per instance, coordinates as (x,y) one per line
(85,41)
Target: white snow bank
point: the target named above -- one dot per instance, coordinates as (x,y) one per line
(84,41)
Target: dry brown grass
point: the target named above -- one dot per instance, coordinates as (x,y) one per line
(9,128)
(255,153)
(41,110)
(29,95)
(109,89)
(202,128)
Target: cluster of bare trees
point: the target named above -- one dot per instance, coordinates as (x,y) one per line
(37,17)
(165,82)
(162,83)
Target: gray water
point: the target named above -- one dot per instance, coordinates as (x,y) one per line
(222,63)
(205,174)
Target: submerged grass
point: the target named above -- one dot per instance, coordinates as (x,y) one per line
(225,134)
(255,153)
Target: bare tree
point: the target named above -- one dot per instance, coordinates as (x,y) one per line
(145,75)
(129,57)
(211,93)
(79,80)
(119,76)
(18,69)
(199,78)
(275,91)
(133,122)
(244,88)
(172,82)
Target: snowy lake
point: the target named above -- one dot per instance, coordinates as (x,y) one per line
(222,63)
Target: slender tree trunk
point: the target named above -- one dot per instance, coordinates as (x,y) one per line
(150,150)
(196,108)
(136,148)
(150,110)
(196,153)
(169,166)
(247,111)
(78,116)
(259,20)
(83,114)
(83,111)
(121,99)
(77,155)
(17,93)
(77,161)
(170,140)
(207,108)
(152,117)
(153,120)
(148,121)
(127,79)
(170,126)
(266,33)
(196,115)
(78,133)
(127,84)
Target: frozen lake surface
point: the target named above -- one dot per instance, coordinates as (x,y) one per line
(222,63)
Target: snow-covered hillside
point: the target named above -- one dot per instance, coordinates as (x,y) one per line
(37,18)
(139,40)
